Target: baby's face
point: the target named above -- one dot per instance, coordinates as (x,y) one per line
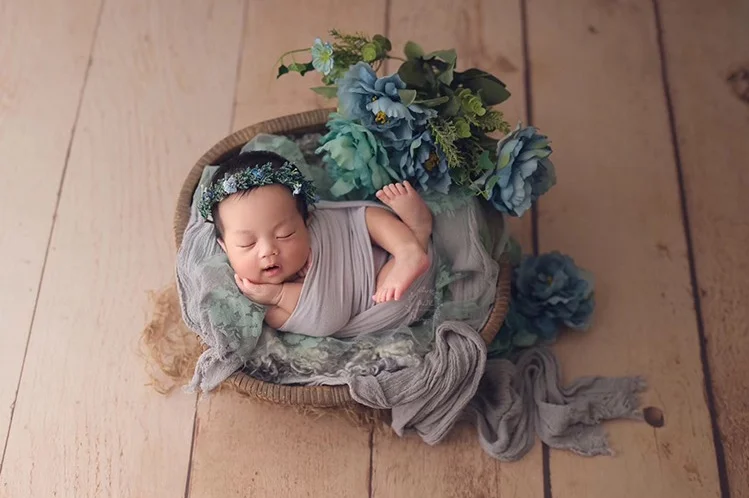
(265,237)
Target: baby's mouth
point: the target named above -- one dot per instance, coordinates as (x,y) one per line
(271,269)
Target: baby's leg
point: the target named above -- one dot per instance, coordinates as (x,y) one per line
(406,240)
(410,207)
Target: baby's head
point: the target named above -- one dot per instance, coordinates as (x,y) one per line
(258,203)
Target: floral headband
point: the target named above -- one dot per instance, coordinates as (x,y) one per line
(256,176)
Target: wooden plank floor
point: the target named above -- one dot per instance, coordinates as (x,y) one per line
(104,104)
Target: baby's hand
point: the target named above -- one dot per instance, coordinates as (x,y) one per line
(266,294)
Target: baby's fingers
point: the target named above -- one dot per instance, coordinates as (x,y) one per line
(244,284)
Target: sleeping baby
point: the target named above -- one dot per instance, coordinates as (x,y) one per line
(360,255)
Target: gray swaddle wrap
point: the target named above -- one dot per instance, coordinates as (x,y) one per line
(336,298)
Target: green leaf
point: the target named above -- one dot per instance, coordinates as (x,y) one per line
(452,107)
(328,92)
(485,163)
(524,339)
(490,183)
(413,51)
(433,102)
(412,74)
(449,56)
(383,42)
(407,96)
(282,70)
(369,52)
(462,127)
(493,91)
(301,68)
(446,77)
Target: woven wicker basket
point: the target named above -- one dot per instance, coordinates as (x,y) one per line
(318,397)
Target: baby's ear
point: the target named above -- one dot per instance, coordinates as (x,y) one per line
(221,243)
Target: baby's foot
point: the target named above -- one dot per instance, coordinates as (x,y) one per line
(408,264)
(410,207)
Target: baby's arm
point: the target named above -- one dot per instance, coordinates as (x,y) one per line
(277,315)
(281,299)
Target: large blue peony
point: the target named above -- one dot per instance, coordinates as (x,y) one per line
(423,164)
(550,291)
(356,160)
(376,103)
(523,173)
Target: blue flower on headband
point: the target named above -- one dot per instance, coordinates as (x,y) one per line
(230,185)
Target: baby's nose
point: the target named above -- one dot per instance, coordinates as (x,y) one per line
(268,249)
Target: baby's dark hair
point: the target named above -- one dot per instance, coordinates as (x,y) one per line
(241,162)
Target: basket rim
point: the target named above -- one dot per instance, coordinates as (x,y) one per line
(295,395)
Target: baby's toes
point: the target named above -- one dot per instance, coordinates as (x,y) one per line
(400,189)
(397,293)
(390,295)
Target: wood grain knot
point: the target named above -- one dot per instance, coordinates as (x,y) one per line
(653,416)
(739,82)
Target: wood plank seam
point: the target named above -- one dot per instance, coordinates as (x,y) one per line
(52,226)
(192,446)
(370,479)
(707,378)
(370,474)
(527,82)
(240,54)
(238,68)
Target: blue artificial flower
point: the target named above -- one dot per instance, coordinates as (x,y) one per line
(551,291)
(422,163)
(230,185)
(523,173)
(322,57)
(515,333)
(356,160)
(376,103)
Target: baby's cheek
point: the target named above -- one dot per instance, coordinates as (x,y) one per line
(245,267)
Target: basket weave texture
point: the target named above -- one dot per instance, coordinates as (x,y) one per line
(309,396)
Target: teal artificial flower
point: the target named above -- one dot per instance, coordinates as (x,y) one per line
(523,172)
(376,103)
(356,160)
(322,57)
(423,164)
(550,291)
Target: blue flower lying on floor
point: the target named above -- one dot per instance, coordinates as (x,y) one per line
(549,292)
